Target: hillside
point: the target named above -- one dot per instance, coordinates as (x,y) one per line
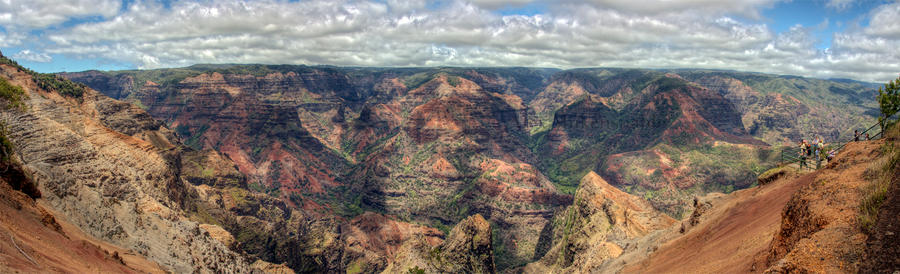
(798,223)
(108,169)
(433,146)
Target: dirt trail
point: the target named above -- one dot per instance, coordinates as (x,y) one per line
(733,237)
(805,223)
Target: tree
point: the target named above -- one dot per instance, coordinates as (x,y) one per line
(889,101)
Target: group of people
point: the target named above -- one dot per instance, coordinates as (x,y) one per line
(856,136)
(815,149)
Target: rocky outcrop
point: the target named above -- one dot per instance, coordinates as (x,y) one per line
(117,86)
(602,223)
(114,186)
(35,239)
(466,250)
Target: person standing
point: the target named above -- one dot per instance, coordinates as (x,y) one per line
(856,135)
(803,152)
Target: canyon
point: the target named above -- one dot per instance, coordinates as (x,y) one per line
(243,168)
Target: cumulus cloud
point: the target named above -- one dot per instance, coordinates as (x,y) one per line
(43,13)
(749,8)
(494,4)
(886,22)
(654,34)
(9,39)
(29,55)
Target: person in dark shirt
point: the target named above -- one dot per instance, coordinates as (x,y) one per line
(856,135)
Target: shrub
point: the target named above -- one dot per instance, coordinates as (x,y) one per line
(13,94)
(49,81)
(889,101)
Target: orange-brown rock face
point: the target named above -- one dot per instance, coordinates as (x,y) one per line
(467,249)
(600,224)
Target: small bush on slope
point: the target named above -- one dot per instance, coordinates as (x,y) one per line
(14,95)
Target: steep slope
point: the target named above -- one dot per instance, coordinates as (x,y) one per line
(427,145)
(603,223)
(36,239)
(79,162)
(461,152)
(805,223)
(466,250)
(126,179)
(784,109)
(731,233)
(648,146)
(820,230)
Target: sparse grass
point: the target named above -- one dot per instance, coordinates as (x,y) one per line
(881,175)
(773,174)
(239,195)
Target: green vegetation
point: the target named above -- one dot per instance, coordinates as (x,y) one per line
(239,195)
(202,215)
(49,81)
(881,174)
(889,101)
(453,80)
(6,146)
(355,267)
(14,95)
(415,270)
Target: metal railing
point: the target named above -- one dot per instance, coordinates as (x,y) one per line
(791,155)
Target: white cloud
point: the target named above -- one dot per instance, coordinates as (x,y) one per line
(839,4)
(886,22)
(29,55)
(495,4)
(43,13)
(699,33)
(749,8)
(9,39)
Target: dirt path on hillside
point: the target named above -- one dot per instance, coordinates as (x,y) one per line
(734,237)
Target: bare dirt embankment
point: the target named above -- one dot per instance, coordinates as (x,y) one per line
(806,223)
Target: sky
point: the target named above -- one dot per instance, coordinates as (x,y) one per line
(850,39)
